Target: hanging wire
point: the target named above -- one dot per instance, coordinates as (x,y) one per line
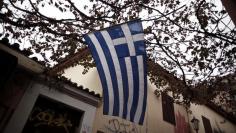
(149,18)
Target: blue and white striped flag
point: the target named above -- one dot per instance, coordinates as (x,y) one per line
(120,56)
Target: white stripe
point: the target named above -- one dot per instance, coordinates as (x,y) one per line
(119,41)
(129,39)
(122,40)
(138,37)
(116,63)
(131,85)
(106,71)
(141,89)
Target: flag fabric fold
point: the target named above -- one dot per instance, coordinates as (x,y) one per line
(120,56)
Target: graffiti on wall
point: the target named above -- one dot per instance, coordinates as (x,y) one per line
(116,126)
(48,117)
(181,125)
(86,128)
(217,129)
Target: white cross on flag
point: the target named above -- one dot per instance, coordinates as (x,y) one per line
(120,55)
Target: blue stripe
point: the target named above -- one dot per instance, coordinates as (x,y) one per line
(134,64)
(115,32)
(125,85)
(101,74)
(111,66)
(140,47)
(135,27)
(122,50)
(145,89)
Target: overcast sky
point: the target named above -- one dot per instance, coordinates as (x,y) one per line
(52,11)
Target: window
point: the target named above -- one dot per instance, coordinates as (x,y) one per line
(207,125)
(168,109)
(8,63)
(49,116)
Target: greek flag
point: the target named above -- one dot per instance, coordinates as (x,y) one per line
(120,56)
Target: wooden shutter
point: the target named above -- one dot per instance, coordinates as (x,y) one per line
(168,109)
(207,125)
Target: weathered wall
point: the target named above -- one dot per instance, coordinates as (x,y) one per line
(218,123)
(21,114)
(11,94)
(89,80)
(153,118)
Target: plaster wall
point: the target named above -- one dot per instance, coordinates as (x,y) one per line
(218,123)
(154,116)
(153,122)
(153,119)
(89,80)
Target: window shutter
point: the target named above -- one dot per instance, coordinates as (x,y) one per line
(168,109)
(207,125)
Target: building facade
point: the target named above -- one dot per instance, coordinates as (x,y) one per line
(160,116)
(32,102)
